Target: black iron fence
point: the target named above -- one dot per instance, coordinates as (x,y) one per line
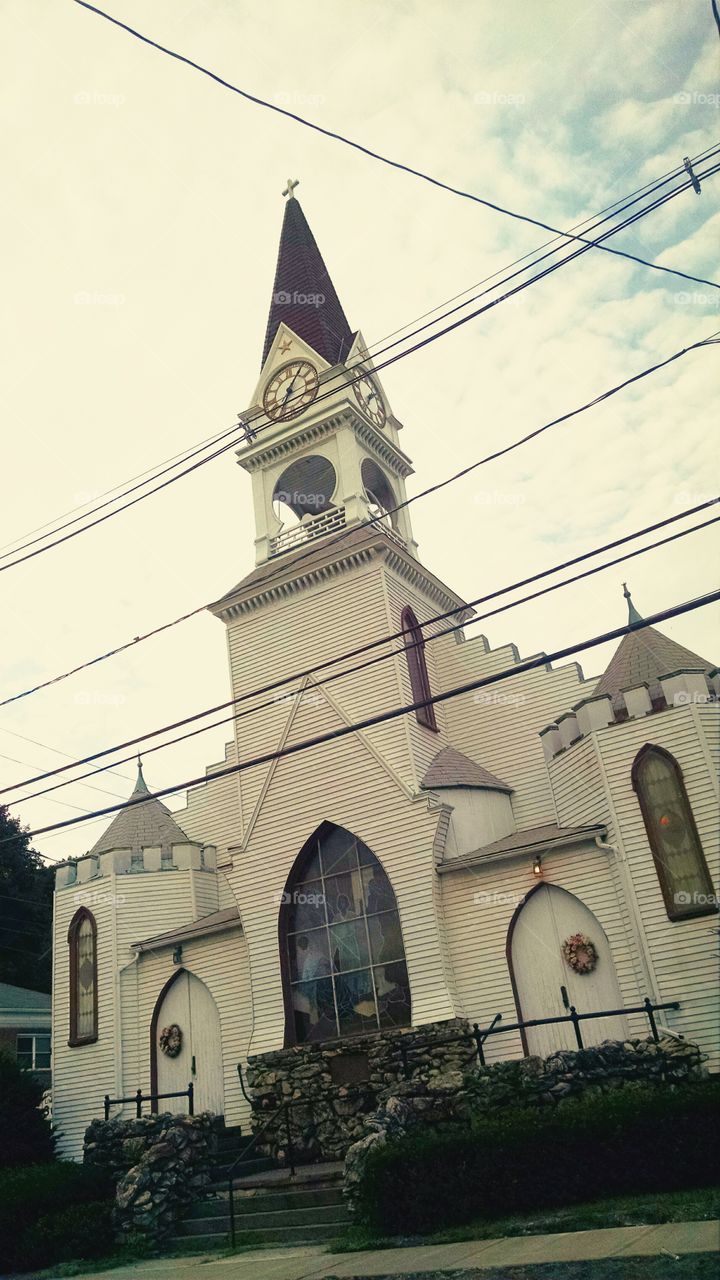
(479,1035)
(140,1097)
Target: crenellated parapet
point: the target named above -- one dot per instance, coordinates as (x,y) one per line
(186,856)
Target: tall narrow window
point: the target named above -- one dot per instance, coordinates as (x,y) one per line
(673,837)
(341,943)
(417,667)
(82,941)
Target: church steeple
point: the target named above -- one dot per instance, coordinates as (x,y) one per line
(633,615)
(303,295)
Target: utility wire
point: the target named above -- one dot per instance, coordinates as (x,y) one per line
(395,713)
(384,657)
(460,611)
(12,547)
(335,539)
(361,372)
(373,155)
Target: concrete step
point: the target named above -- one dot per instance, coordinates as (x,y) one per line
(259,1164)
(273,1202)
(209,1216)
(198,1233)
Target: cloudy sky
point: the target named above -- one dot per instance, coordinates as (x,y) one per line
(140,237)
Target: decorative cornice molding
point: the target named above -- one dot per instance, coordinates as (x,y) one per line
(376,442)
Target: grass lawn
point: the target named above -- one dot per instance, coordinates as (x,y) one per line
(699,1266)
(622,1211)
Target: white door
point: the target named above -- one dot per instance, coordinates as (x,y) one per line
(544,981)
(189,1004)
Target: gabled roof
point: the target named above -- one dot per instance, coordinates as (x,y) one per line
(301,275)
(533,840)
(216,922)
(141,826)
(642,657)
(450,768)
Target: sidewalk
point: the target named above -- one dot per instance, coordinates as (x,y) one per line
(310,1263)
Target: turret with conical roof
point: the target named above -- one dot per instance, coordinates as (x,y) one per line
(145,823)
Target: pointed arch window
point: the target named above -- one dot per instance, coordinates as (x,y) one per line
(82,943)
(417,667)
(341,945)
(672,835)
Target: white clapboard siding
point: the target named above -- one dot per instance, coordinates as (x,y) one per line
(479,904)
(499,725)
(213,813)
(220,961)
(684,953)
(342,782)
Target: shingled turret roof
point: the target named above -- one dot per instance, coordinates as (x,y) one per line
(642,657)
(141,826)
(301,275)
(450,768)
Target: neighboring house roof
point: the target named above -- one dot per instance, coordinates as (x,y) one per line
(22,999)
(643,656)
(23,1009)
(216,922)
(450,768)
(300,275)
(141,826)
(533,840)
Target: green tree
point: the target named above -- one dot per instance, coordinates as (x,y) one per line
(26,1130)
(26,888)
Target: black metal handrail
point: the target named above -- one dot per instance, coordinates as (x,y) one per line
(479,1036)
(140,1097)
(284,1109)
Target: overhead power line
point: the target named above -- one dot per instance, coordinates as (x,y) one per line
(372,348)
(394,713)
(282,682)
(336,539)
(354,375)
(367,151)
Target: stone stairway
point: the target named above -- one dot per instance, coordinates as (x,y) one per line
(270,1205)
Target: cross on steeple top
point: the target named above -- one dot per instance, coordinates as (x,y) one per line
(290,188)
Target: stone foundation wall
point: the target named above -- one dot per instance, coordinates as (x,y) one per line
(336,1085)
(158,1163)
(451,1100)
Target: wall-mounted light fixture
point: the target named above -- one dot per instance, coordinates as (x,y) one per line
(177,955)
(537,865)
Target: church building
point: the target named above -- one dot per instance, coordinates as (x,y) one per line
(538,844)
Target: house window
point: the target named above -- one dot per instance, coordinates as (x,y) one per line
(417,667)
(33,1052)
(341,943)
(673,837)
(82,941)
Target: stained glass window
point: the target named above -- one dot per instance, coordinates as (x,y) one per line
(417,668)
(82,939)
(672,834)
(344,959)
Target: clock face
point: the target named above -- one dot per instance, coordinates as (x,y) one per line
(290,390)
(370,400)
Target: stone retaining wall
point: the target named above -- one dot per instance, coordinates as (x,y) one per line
(158,1163)
(453,1098)
(334,1086)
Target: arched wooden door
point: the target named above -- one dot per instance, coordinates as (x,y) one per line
(544,981)
(188,1003)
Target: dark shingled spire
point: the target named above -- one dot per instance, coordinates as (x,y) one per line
(301,273)
(633,615)
(141,825)
(642,657)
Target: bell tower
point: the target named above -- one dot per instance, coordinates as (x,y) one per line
(321,439)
